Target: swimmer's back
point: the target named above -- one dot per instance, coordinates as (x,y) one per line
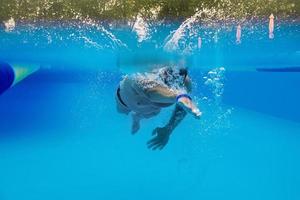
(134,96)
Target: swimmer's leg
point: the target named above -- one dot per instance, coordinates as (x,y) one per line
(136,118)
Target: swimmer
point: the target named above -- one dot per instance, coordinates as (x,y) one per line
(144,95)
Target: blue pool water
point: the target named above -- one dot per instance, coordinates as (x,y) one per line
(62,138)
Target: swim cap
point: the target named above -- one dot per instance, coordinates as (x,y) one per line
(172,76)
(183,72)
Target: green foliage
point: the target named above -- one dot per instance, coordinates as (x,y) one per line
(150,9)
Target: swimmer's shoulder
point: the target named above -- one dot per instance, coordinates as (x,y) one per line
(143,82)
(133,82)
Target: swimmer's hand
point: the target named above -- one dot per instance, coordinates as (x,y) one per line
(188,105)
(161,138)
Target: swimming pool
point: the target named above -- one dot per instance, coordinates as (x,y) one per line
(61,137)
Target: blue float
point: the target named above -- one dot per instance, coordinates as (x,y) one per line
(12,74)
(7,76)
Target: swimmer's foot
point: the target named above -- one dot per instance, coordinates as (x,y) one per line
(135,123)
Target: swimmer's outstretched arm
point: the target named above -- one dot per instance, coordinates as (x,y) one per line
(163,94)
(162,134)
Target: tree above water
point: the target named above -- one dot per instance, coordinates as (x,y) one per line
(149,9)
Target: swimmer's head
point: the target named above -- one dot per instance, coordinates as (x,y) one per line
(171,71)
(183,72)
(172,74)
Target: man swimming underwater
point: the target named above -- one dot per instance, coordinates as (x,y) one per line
(144,95)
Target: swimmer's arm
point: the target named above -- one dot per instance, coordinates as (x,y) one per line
(156,94)
(177,116)
(162,134)
(161,94)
